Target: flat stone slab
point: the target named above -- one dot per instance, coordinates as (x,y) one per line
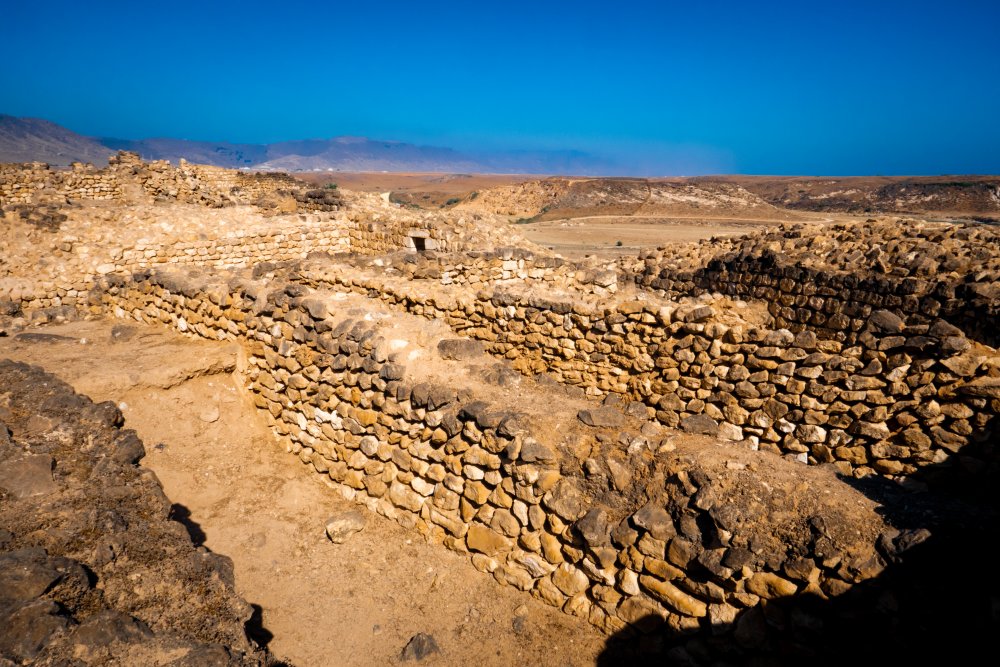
(28,475)
(601,417)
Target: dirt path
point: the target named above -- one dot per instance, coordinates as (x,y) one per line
(357,603)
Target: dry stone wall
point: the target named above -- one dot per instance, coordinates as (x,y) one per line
(477,269)
(899,399)
(127,177)
(281,239)
(829,279)
(607,520)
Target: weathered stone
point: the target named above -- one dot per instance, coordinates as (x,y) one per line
(655,519)
(700,424)
(602,417)
(811,433)
(482,539)
(344,524)
(886,321)
(533,451)
(419,647)
(27,475)
(569,579)
(642,612)
(594,527)
(674,597)
(769,586)
(566,501)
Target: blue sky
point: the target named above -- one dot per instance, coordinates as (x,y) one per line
(670,88)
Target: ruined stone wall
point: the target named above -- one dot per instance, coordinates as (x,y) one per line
(81,261)
(237,250)
(375,235)
(24,183)
(900,398)
(241,250)
(127,176)
(835,306)
(465,471)
(829,279)
(254,185)
(85,182)
(475,269)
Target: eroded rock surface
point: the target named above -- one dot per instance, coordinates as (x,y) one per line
(92,568)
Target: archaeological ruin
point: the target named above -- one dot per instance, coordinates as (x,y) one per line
(775,447)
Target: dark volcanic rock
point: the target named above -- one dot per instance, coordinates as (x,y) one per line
(80,524)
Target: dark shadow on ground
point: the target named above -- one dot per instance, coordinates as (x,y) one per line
(255,627)
(182,515)
(936,602)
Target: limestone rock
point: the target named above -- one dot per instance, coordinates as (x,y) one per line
(566,501)
(482,539)
(886,321)
(594,527)
(655,519)
(344,524)
(674,597)
(769,586)
(569,579)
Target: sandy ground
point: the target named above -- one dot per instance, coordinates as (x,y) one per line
(599,235)
(357,603)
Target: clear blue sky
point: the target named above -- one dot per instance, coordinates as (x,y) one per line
(770,88)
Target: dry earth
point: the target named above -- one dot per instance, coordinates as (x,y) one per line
(356,603)
(601,235)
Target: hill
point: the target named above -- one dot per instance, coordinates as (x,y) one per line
(964,195)
(38,140)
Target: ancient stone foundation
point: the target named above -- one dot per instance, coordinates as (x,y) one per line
(590,509)
(722,442)
(899,398)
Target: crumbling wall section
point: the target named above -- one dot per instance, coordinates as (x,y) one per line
(127,177)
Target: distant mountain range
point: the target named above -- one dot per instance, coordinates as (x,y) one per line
(37,140)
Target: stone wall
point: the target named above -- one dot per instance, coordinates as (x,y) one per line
(899,399)
(127,178)
(26,183)
(829,279)
(240,249)
(610,525)
(476,269)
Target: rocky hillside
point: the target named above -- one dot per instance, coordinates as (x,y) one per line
(92,568)
(967,195)
(37,140)
(556,198)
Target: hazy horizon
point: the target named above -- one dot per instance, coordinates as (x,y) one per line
(659,88)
